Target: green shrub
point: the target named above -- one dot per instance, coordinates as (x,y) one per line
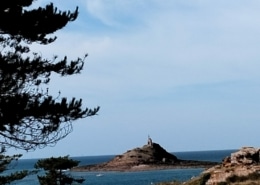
(235,178)
(251,176)
(222,183)
(254,176)
(170,183)
(204,179)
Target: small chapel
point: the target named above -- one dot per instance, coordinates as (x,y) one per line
(149,142)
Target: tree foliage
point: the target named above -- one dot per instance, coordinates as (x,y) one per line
(29,116)
(5,163)
(55,174)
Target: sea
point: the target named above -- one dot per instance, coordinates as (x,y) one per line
(126,178)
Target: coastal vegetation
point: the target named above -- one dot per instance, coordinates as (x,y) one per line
(5,161)
(55,168)
(250,179)
(30,116)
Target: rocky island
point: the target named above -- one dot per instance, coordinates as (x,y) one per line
(149,157)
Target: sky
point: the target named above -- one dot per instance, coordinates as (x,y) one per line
(184,72)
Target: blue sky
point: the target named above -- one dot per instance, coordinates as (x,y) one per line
(184,72)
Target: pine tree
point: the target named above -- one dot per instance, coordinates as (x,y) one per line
(5,163)
(30,117)
(55,174)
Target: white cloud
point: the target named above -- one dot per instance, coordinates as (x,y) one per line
(172,48)
(107,11)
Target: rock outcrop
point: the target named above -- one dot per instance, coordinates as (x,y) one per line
(240,164)
(246,156)
(150,156)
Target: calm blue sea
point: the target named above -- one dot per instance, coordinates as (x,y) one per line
(128,178)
